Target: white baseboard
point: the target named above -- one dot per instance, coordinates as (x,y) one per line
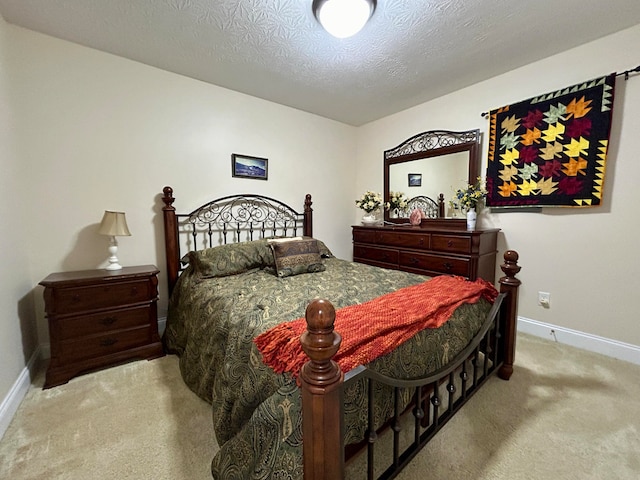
(586,341)
(12,401)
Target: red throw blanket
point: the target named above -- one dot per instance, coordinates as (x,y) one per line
(372,329)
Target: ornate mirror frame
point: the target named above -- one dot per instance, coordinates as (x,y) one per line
(428,144)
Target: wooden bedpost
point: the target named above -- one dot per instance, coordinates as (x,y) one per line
(509,284)
(308,216)
(172,247)
(322,383)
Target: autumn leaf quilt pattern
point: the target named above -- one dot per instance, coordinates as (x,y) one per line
(551,150)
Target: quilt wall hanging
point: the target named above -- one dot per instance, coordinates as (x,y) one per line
(551,150)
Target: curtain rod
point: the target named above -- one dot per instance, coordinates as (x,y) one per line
(625,73)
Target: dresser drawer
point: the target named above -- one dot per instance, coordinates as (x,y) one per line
(364,236)
(435,263)
(98,323)
(83,298)
(378,255)
(400,239)
(450,243)
(101,345)
(436,249)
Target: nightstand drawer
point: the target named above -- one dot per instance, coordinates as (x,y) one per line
(435,263)
(100,345)
(74,327)
(80,299)
(450,243)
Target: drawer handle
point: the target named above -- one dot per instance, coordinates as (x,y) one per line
(449,243)
(421,242)
(108,320)
(447,266)
(134,290)
(76,297)
(107,342)
(414,260)
(385,256)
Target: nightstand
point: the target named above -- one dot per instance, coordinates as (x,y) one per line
(98,318)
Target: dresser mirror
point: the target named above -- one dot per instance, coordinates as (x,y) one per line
(428,168)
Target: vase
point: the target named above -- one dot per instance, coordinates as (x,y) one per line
(369,218)
(393,213)
(471,219)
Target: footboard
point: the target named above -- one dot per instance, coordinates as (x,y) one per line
(436,397)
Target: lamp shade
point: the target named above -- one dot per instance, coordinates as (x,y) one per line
(343,18)
(114,224)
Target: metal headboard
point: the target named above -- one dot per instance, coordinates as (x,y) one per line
(424,203)
(230,219)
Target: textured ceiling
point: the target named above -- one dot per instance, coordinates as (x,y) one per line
(411,50)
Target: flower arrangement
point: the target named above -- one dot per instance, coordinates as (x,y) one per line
(468,198)
(369,202)
(397,200)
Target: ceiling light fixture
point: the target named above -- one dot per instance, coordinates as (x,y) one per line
(343,18)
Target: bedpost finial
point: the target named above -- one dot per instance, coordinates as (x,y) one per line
(511,256)
(167,198)
(320,315)
(320,343)
(510,267)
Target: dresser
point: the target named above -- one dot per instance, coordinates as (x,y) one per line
(428,251)
(98,318)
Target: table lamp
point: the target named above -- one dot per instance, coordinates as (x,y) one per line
(114,224)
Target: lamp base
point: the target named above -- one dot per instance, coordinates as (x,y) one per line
(113,259)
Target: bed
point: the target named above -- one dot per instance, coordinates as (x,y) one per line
(228,290)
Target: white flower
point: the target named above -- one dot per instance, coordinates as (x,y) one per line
(397,200)
(370,201)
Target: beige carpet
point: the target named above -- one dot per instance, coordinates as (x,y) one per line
(565,414)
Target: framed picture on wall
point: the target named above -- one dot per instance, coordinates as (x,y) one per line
(244,166)
(415,179)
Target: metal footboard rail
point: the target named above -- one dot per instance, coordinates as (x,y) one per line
(473,366)
(322,386)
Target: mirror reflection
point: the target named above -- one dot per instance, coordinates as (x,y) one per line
(428,168)
(429,177)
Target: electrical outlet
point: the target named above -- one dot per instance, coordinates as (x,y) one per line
(544,299)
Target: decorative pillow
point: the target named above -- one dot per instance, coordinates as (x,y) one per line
(231,259)
(324,250)
(293,257)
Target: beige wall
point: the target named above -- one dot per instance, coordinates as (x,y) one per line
(83,131)
(17,334)
(94,131)
(587,259)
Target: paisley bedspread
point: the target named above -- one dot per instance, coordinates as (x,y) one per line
(257,414)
